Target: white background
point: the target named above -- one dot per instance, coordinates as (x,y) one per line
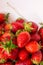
(30,9)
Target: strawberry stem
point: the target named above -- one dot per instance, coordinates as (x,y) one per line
(7,15)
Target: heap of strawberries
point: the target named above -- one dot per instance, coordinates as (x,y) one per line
(21,42)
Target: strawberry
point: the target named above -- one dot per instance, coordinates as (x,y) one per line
(7,63)
(37,57)
(5,37)
(42,55)
(2,26)
(5,55)
(22,39)
(35,37)
(8,27)
(20,20)
(26,62)
(16,26)
(30,27)
(19,63)
(2,57)
(13,26)
(35,27)
(41,33)
(23,54)
(13,54)
(2,17)
(32,46)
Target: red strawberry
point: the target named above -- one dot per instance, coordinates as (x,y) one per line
(13,54)
(7,63)
(32,46)
(23,55)
(35,27)
(6,36)
(19,63)
(20,20)
(8,27)
(22,39)
(35,37)
(16,26)
(26,62)
(41,33)
(30,27)
(37,57)
(2,25)
(2,57)
(5,55)
(2,17)
(8,51)
(42,55)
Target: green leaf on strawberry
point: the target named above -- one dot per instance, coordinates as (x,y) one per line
(2,61)
(13,46)
(41,63)
(18,31)
(27,27)
(7,15)
(8,46)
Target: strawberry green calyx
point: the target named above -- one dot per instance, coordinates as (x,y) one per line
(27,27)
(41,63)
(2,61)
(17,33)
(9,46)
(35,62)
(7,15)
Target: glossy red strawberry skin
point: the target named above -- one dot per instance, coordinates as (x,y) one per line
(2,57)
(16,26)
(20,20)
(5,36)
(8,27)
(41,33)
(42,55)
(26,62)
(32,46)
(35,37)
(23,55)
(2,17)
(34,26)
(22,39)
(13,54)
(2,26)
(37,57)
